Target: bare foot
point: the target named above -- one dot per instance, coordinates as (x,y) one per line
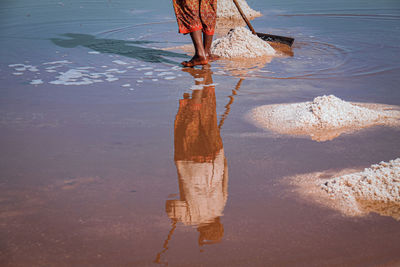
(195,61)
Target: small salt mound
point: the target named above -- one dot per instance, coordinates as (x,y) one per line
(379,184)
(332,112)
(354,192)
(325,118)
(227,9)
(241,43)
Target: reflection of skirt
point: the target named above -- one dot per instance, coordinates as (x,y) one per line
(194,15)
(196,134)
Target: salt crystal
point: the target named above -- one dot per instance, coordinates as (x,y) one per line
(227,9)
(241,43)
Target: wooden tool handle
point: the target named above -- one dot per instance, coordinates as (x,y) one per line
(244,17)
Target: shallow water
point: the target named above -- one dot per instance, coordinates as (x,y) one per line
(101,163)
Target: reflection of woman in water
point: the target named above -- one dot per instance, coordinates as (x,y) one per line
(200,161)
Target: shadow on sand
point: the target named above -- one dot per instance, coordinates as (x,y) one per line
(130,49)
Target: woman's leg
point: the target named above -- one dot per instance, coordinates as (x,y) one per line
(208,16)
(207,41)
(200,57)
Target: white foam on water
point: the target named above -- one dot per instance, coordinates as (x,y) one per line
(115,71)
(16,65)
(33,69)
(53,67)
(85,68)
(57,62)
(265,71)
(96,75)
(220,72)
(165,73)
(199,79)
(197,87)
(93,52)
(23,67)
(36,82)
(82,76)
(120,62)
(145,68)
(71,76)
(126,85)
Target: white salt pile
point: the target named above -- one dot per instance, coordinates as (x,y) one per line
(241,43)
(354,192)
(362,192)
(325,118)
(227,9)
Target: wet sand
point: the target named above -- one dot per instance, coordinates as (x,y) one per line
(88,171)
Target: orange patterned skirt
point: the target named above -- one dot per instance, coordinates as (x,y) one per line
(194,15)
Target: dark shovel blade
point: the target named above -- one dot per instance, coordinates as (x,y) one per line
(276,38)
